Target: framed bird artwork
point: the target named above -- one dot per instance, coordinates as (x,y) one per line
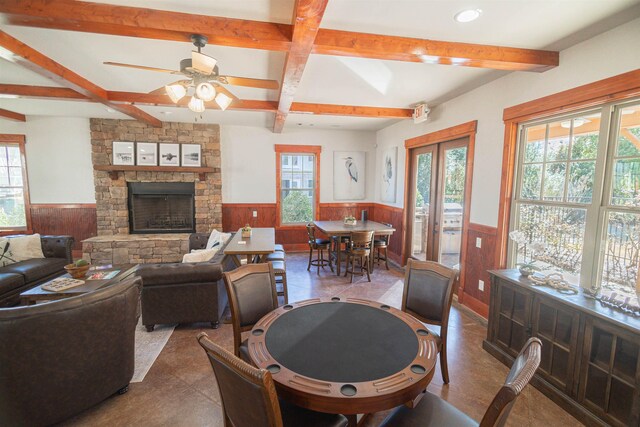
(349,175)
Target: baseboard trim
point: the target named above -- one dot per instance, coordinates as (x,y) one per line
(476,305)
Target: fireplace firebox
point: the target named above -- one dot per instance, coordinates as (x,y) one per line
(161,207)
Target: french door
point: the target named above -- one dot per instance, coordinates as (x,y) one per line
(438,196)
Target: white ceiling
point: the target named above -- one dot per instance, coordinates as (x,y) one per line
(534,24)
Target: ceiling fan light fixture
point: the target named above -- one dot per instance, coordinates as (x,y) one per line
(206,91)
(196,104)
(175,92)
(223,101)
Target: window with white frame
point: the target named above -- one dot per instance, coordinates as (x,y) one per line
(576,202)
(297,191)
(12,188)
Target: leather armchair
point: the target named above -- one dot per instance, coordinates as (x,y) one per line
(62,357)
(185,293)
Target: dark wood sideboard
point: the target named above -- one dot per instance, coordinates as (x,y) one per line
(590,353)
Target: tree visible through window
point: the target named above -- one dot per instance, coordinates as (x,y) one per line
(298,187)
(12,191)
(578,193)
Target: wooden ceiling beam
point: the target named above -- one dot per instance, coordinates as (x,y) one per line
(307,16)
(134,98)
(12,115)
(14,50)
(175,26)
(146,23)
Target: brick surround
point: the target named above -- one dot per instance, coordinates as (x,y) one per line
(111,195)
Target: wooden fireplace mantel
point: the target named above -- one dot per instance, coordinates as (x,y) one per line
(115,169)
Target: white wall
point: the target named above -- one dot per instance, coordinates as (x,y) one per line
(58,152)
(249,160)
(611,53)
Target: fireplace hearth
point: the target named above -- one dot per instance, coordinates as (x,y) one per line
(161,207)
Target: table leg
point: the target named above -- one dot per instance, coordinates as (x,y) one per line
(236,260)
(353,421)
(338,254)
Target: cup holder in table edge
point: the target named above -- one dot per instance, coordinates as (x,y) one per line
(385,307)
(287,307)
(422,332)
(348,390)
(257,332)
(335,299)
(418,369)
(274,369)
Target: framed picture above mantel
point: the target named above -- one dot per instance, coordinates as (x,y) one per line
(169,154)
(191,155)
(123,153)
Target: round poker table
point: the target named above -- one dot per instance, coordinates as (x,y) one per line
(344,355)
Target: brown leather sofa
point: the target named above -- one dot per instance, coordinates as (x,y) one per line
(62,357)
(24,275)
(185,293)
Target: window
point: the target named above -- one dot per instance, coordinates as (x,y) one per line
(578,193)
(13,187)
(297,184)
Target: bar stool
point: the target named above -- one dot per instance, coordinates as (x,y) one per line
(381,244)
(320,245)
(280,273)
(360,245)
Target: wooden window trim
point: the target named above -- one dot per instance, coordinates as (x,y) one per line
(620,87)
(464,130)
(20,140)
(297,149)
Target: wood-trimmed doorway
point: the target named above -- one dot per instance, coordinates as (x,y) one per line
(441,233)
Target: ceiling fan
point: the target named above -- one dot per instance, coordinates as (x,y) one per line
(203,78)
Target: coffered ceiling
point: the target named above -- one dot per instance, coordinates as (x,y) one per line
(323,71)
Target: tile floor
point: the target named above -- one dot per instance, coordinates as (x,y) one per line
(180,390)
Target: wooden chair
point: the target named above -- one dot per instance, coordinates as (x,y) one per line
(320,246)
(433,411)
(252,294)
(248,395)
(280,273)
(427,295)
(381,244)
(359,247)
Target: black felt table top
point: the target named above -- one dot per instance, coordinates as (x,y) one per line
(342,342)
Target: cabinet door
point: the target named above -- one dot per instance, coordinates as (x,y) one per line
(610,373)
(557,327)
(513,311)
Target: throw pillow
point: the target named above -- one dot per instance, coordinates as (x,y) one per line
(200,255)
(26,247)
(217,237)
(6,257)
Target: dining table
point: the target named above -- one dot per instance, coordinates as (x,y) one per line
(338,229)
(344,355)
(255,248)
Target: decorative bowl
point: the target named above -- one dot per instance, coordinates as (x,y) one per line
(77,272)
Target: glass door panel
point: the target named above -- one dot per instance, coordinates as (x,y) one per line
(451,202)
(421,235)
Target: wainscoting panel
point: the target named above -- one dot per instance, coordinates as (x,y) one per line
(337,211)
(77,220)
(236,215)
(479,260)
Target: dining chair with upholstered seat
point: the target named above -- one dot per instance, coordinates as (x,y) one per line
(320,246)
(252,294)
(359,247)
(433,411)
(248,395)
(427,296)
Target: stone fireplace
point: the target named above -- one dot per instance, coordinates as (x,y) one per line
(113,192)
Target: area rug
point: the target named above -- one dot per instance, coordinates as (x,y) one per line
(148,347)
(393,296)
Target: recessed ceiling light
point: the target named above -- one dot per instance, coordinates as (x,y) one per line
(8,96)
(110,110)
(468,15)
(166,112)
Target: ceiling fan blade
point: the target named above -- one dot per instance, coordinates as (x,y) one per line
(202,63)
(142,67)
(162,91)
(244,81)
